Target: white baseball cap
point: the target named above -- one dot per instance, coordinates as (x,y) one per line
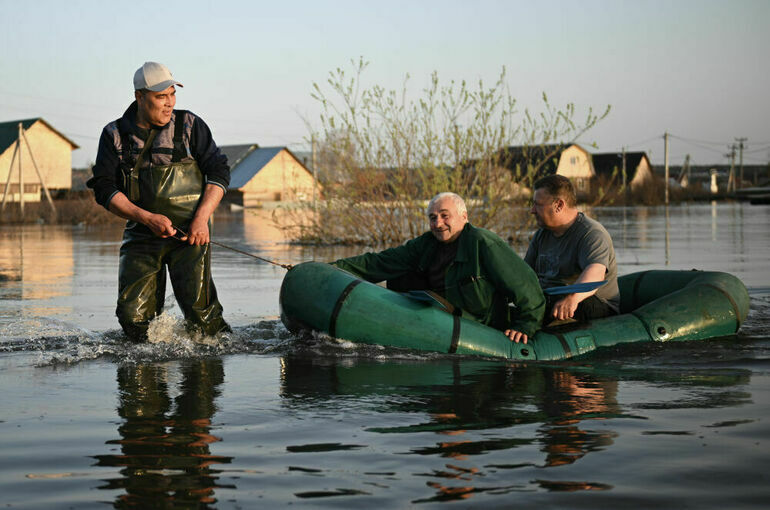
(154,76)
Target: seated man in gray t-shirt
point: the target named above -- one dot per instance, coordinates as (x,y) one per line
(571,248)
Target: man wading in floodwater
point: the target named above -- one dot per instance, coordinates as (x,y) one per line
(472,268)
(159,168)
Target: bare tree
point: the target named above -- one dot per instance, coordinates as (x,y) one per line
(383,155)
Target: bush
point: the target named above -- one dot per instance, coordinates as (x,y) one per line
(381,155)
(72,211)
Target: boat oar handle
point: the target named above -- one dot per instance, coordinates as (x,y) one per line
(575,288)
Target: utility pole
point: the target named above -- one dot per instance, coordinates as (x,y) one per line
(740,152)
(665,155)
(731,177)
(624,168)
(21,175)
(10,172)
(314,162)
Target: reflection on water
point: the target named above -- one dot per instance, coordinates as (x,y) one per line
(38,259)
(165,457)
(454,397)
(668,237)
(475,413)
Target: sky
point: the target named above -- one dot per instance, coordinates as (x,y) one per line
(697,70)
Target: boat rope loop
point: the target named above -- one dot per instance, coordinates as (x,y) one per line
(285,266)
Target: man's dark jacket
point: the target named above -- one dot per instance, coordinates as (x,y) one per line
(484,278)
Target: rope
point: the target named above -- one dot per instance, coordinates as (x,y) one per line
(285,266)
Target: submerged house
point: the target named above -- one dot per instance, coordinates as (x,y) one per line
(629,169)
(531,160)
(576,164)
(588,172)
(267,174)
(52,154)
(529,163)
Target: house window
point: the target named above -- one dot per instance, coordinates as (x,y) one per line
(573,160)
(28,188)
(581,184)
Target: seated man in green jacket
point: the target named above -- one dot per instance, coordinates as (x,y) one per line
(470,267)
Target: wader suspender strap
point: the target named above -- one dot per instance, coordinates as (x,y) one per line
(179,149)
(133,185)
(145,150)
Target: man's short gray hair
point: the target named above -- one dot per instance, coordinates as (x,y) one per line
(456,199)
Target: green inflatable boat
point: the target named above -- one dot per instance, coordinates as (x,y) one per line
(656,306)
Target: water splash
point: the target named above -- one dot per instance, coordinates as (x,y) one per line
(42,341)
(170,329)
(47,342)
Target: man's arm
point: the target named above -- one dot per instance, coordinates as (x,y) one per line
(594,250)
(161,226)
(566,306)
(104,180)
(121,206)
(199,227)
(212,163)
(387,264)
(108,194)
(518,282)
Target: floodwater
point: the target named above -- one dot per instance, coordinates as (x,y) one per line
(262,419)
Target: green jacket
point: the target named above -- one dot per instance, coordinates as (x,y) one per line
(484,278)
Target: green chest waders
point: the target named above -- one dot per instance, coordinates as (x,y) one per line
(173,190)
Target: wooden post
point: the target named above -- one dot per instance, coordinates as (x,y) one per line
(34,163)
(314,162)
(10,171)
(21,178)
(665,153)
(731,177)
(624,168)
(740,157)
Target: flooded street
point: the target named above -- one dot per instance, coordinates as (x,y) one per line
(261,418)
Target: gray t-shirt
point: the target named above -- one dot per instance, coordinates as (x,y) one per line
(560,260)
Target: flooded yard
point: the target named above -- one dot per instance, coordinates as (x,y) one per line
(261,418)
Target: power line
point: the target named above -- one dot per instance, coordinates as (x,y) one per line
(760,149)
(53,99)
(705,147)
(693,140)
(648,140)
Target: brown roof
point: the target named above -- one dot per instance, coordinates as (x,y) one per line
(606,163)
(545,157)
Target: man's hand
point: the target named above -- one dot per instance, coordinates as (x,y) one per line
(198,234)
(160,225)
(516,336)
(565,307)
